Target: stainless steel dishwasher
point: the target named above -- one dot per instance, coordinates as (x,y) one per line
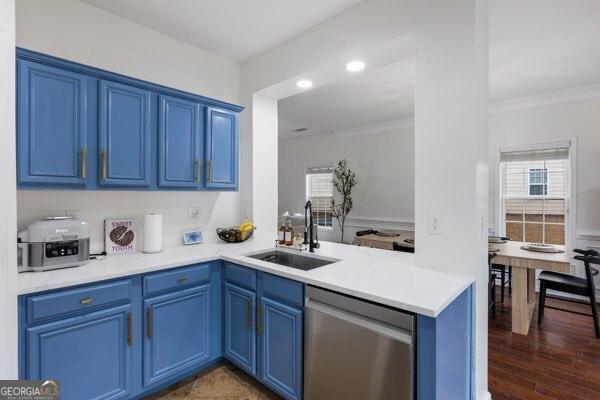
(356,350)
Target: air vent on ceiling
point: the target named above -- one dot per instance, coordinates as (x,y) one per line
(298,130)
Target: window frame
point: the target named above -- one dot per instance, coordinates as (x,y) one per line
(307,194)
(571,188)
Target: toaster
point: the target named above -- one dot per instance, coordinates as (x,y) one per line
(55,242)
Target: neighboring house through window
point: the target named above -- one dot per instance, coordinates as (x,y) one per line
(538,181)
(319,190)
(534,196)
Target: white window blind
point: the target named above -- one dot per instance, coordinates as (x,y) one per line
(319,190)
(535,195)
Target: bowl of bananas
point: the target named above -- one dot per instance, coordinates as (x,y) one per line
(236,234)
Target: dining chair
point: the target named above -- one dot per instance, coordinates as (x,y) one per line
(491,286)
(505,273)
(398,247)
(572,284)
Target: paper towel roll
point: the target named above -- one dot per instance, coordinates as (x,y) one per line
(153,233)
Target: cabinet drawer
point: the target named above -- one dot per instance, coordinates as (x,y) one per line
(241,276)
(70,301)
(180,277)
(279,288)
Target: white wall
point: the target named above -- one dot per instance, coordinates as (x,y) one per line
(385,167)
(80,32)
(564,121)
(77,31)
(8,254)
(451,58)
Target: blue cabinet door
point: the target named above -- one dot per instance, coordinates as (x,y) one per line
(124,136)
(240,335)
(51,126)
(178,332)
(281,348)
(221,149)
(90,355)
(179,143)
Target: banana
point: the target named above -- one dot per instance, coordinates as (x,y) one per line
(246,226)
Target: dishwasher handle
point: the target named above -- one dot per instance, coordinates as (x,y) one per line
(379,327)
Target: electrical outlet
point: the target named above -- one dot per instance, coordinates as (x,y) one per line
(72,213)
(435,222)
(194,212)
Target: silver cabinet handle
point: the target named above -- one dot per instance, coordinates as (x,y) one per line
(129,330)
(197,170)
(209,172)
(249,314)
(103,170)
(150,323)
(87,300)
(183,279)
(83,161)
(259,319)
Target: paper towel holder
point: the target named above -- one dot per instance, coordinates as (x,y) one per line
(192,237)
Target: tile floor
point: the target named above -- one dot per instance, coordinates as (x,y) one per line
(223,381)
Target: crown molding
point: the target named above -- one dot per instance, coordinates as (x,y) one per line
(371,129)
(571,94)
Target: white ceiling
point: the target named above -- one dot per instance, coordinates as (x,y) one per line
(543,45)
(536,46)
(369,98)
(235,29)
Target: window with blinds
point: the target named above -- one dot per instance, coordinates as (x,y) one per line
(319,190)
(535,195)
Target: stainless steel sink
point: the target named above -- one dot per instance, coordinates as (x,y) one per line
(292,260)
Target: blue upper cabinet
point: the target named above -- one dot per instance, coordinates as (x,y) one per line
(124,149)
(51,126)
(179,143)
(178,332)
(80,127)
(90,355)
(221,149)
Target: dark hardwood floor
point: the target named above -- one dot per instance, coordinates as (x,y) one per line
(559,359)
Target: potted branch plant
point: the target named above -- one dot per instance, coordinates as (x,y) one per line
(344,179)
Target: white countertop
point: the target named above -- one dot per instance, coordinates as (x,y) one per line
(382,276)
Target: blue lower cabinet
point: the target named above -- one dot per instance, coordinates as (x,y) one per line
(240,333)
(177,333)
(280,337)
(90,355)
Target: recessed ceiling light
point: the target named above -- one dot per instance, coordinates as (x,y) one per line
(355,66)
(304,84)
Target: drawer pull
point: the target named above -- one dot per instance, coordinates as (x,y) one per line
(197,170)
(182,280)
(129,330)
(150,322)
(86,300)
(249,314)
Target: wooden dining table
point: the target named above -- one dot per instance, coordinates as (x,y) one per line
(524,263)
(403,238)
